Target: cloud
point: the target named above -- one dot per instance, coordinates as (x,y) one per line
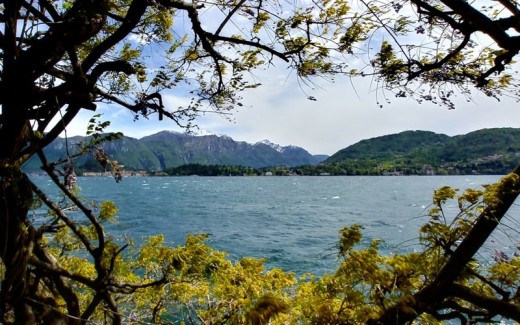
(344,113)
(339,118)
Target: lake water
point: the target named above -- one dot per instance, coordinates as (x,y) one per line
(291,221)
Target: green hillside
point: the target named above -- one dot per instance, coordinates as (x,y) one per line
(391,146)
(487,151)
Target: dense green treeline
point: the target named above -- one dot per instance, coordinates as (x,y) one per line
(212,170)
(350,168)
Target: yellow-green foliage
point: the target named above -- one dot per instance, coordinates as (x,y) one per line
(159,282)
(108,211)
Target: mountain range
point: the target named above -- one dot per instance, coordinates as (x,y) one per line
(171,149)
(486,151)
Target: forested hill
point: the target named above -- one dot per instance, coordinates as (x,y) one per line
(171,149)
(487,151)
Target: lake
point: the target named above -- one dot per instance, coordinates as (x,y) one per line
(291,221)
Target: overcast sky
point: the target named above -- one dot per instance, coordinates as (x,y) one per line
(342,115)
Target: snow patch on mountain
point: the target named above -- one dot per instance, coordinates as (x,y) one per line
(277,147)
(201,133)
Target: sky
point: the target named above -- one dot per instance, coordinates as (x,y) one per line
(345,112)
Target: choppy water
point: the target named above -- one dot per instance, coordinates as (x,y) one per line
(291,221)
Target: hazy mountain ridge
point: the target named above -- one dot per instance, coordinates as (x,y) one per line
(171,149)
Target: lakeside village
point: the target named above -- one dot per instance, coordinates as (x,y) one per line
(483,166)
(124,173)
(131,173)
(143,173)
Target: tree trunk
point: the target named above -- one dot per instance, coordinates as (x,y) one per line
(15,244)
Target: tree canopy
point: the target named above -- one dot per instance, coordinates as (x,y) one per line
(60,57)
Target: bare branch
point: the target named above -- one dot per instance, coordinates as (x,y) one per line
(95,252)
(283,56)
(228,17)
(35,12)
(59,213)
(48,7)
(439,64)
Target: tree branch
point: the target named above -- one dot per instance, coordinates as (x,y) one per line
(35,12)
(57,270)
(59,213)
(429,67)
(95,252)
(61,36)
(266,48)
(499,66)
(429,298)
(114,66)
(494,306)
(513,8)
(50,9)
(481,22)
(132,18)
(228,17)
(431,11)
(96,300)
